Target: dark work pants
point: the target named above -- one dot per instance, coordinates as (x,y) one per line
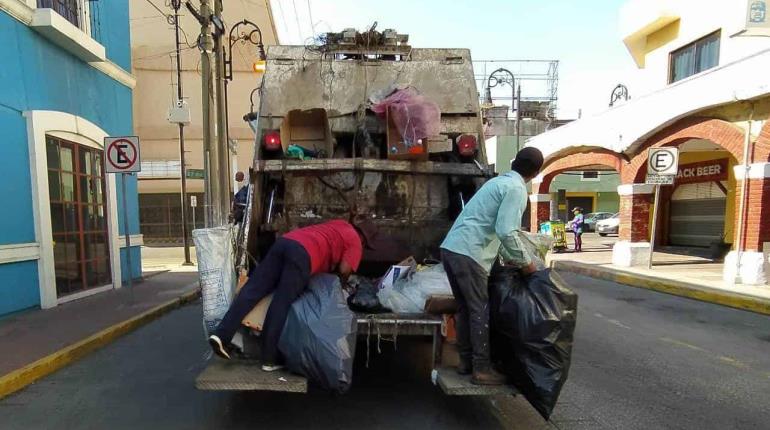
(469,286)
(285,272)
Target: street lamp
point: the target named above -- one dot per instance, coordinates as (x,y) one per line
(251,33)
(495,78)
(620,92)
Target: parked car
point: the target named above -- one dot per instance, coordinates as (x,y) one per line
(608,226)
(590,220)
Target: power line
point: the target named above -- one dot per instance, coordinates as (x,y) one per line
(296,17)
(168,17)
(310,16)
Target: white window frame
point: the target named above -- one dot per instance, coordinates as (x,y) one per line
(81,131)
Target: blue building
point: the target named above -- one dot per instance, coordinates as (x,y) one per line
(65,84)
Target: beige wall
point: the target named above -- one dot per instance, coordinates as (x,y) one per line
(152,48)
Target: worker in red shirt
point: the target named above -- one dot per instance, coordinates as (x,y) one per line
(334,246)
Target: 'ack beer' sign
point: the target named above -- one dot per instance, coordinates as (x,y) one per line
(702,171)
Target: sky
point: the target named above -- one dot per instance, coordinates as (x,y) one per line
(582,35)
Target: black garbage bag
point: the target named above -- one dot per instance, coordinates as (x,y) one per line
(532,326)
(365,299)
(319,338)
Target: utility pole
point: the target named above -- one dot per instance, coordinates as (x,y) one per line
(518,119)
(223,162)
(177,4)
(213,216)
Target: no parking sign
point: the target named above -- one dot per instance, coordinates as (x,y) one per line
(122,154)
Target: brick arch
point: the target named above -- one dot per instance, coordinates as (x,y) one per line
(559,163)
(728,136)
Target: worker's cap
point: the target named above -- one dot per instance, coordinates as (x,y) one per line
(577,209)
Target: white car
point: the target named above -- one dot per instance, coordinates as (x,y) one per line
(608,226)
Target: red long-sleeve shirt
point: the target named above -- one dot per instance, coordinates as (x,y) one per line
(328,244)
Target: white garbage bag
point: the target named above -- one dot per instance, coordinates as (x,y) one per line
(408,295)
(216,269)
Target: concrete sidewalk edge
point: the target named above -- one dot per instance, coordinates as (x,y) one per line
(668,286)
(20,378)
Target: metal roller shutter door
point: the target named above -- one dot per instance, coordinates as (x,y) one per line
(695,220)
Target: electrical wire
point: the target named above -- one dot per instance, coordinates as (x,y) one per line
(310,16)
(296,17)
(169,18)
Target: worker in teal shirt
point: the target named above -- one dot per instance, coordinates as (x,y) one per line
(485,229)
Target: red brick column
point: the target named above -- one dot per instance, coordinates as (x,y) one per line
(540,210)
(635,217)
(633,248)
(756,226)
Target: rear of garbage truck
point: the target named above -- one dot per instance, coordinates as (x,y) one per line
(365,125)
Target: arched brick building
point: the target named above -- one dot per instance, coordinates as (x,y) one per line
(718,120)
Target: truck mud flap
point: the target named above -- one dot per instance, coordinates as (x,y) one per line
(246,375)
(453,384)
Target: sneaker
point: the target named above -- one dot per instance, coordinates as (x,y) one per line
(269,367)
(218,347)
(487,377)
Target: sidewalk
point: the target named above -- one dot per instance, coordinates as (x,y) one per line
(39,342)
(681,275)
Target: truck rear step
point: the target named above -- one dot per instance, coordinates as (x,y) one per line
(246,375)
(453,384)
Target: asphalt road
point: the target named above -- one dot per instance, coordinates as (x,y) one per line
(646,360)
(641,360)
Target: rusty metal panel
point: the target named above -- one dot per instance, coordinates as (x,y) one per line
(296,78)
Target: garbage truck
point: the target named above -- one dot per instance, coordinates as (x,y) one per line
(328,145)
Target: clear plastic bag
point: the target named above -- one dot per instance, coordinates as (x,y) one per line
(410,294)
(535,245)
(415,116)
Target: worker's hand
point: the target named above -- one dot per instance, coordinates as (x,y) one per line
(529,269)
(345,271)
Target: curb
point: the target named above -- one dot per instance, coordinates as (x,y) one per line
(669,286)
(20,378)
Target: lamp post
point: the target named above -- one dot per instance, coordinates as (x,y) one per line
(252,34)
(496,79)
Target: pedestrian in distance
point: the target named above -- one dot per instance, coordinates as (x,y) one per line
(577,224)
(334,246)
(485,227)
(240,200)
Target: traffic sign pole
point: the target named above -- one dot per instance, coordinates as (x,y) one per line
(654,224)
(121,156)
(662,168)
(128,236)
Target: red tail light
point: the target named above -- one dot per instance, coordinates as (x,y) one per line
(273,141)
(467,145)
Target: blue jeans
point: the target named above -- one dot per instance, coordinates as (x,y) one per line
(285,272)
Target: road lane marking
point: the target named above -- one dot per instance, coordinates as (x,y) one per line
(732,362)
(612,321)
(680,343)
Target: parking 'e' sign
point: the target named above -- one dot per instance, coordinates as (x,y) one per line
(122,154)
(663,161)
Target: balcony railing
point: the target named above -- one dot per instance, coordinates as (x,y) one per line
(69,9)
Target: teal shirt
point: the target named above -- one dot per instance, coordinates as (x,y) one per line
(487,223)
